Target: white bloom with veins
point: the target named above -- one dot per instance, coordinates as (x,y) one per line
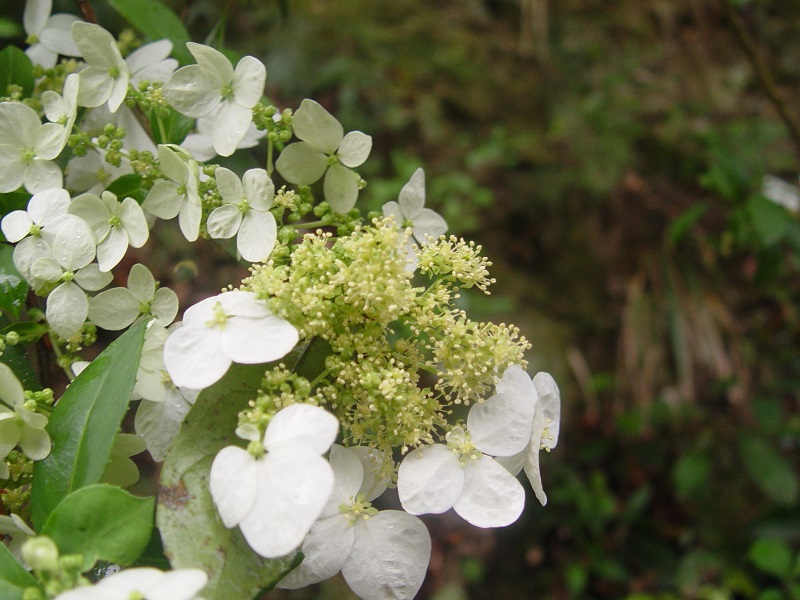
(144,583)
(214,86)
(116,225)
(201,144)
(177,195)
(117,308)
(48,35)
(107,76)
(27,150)
(324,149)
(541,392)
(463,474)
(231,327)
(382,555)
(276,495)
(245,211)
(410,211)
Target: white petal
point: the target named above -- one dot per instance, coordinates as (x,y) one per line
(193,357)
(98,47)
(389,558)
(501,426)
(92,279)
(303,427)
(348,475)
(215,66)
(315,125)
(18,124)
(191,92)
(112,249)
(163,200)
(113,309)
(294,486)
(234,482)
(230,126)
(257,236)
(164,306)
(42,175)
(49,141)
(16,225)
(354,149)
(189,218)
(244,304)
(40,55)
(12,168)
(325,551)
(371,462)
(134,223)
(392,209)
(47,205)
(550,405)
(430,480)
(341,188)
(412,196)
(159,422)
(36,15)
(534,475)
(248,81)
(258,188)
(516,380)
(428,224)
(147,55)
(301,163)
(180,584)
(514,463)
(229,185)
(45,268)
(95,87)
(492,496)
(35,442)
(253,341)
(67,308)
(74,245)
(57,35)
(10,388)
(224,222)
(141,283)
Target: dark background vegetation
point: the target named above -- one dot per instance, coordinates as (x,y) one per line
(609,155)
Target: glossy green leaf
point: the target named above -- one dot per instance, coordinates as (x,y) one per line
(102,522)
(156,22)
(13,287)
(171,130)
(772,556)
(128,186)
(192,532)
(769,470)
(14,579)
(15,69)
(84,424)
(17,359)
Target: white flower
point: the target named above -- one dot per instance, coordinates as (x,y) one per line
(144,583)
(462,474)
(18,530)
(542,393)
(245,210)
(106,78)
(63,109)
(92,174)
(48,35)
(382,555)
(151,62)
(324,149)
(70,263)
(781,193)
(232,327)
(115,224)
(213,83)
(18,425)
(117,308)
(275,498)
(177,196)
(410,211)
(201,144)
(27,150)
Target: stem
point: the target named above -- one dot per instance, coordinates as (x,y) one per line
(270,167)
(57,351)
(87,10)
(162,132)
(790,119)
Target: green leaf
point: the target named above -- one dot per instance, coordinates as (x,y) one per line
(14,579)
(768,469)
(772,556)
(84,424)
(102,522)
(770,221)
(192,532)
(128,186)
(684,222)
(13,287)
(173,129)
(157,22)
(15,69)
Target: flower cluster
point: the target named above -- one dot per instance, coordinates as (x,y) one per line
(355,323)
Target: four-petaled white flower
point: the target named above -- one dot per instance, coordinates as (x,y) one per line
(462,474)
(117,308)
(276,497)
(177,196)
(245,210)
(410,211)
(70,264)
(542,392)
(382,555)
(144,583)
(324,149)
(116,225)
(213,83)
(107,76)
(201,143)
(27,150)
(48,35)
(232,327)
(18,425)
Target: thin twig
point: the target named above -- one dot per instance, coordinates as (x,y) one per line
(790,119)
(87,10)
